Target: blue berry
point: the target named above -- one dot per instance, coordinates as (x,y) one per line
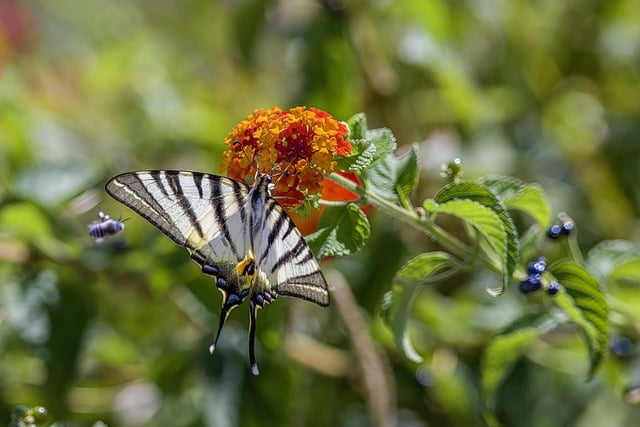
(567,228)
(530,284)
(554,231)
(553,288)
(538,266)
(621,346)
(20,411)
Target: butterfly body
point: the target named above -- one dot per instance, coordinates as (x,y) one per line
(237,233)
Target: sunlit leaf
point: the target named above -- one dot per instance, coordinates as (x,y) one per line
(373,147)
(516,194)
(357,126)
(505,242)
(585,303)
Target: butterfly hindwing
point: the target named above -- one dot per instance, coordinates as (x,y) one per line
(287,260)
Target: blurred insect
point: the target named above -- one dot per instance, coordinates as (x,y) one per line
(107,226)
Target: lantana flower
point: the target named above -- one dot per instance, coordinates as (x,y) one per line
(297,147)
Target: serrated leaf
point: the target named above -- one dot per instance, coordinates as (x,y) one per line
(357,126)
(369,146)
(501,355)
(384,140)
(423,268)
(586,306)
(360,162)
(342,230)
(394,178)
(508,250)
(518,195)
(480,217)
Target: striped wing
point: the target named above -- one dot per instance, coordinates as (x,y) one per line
(204,213)
(237,233)
(286,258)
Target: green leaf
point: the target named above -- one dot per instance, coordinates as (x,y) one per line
(376,145)
(399,301)
(342,230)
(480,217)
(506,244)
(423,268)
(502,354)
(394,178)
(606,257)
(357,126)
(625,273)
(383,140)
(585,303)
(396,311)
(518,195)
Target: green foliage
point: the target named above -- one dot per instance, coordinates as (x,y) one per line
(484,210)
(500,356)
(503,241)
(540,112)
(587,307)
(398,303)
(369,146)
(394,178)
(341,231)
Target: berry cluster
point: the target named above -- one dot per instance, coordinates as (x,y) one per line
(534,281)
(28,417)
(564,229)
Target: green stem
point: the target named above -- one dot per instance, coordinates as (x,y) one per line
(411,217)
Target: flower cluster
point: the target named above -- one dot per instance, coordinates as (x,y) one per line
(297,147)
(534,280)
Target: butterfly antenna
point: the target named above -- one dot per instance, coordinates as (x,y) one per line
(246,156)
(284,173)
(252,337)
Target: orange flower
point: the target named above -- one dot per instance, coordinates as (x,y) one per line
(298,147)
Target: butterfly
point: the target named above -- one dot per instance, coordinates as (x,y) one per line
(237,233)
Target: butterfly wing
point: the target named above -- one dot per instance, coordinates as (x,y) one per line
(203,213)
(286,259)
(237,233)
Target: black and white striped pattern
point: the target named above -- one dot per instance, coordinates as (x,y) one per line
(237,233)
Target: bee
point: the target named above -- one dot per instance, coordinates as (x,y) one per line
(107,226)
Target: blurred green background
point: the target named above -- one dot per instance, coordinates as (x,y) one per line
(544,90)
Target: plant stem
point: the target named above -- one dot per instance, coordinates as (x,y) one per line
(411,217)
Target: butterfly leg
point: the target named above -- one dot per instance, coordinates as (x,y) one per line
(253,307)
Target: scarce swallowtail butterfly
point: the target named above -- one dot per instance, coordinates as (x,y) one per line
(239,234)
